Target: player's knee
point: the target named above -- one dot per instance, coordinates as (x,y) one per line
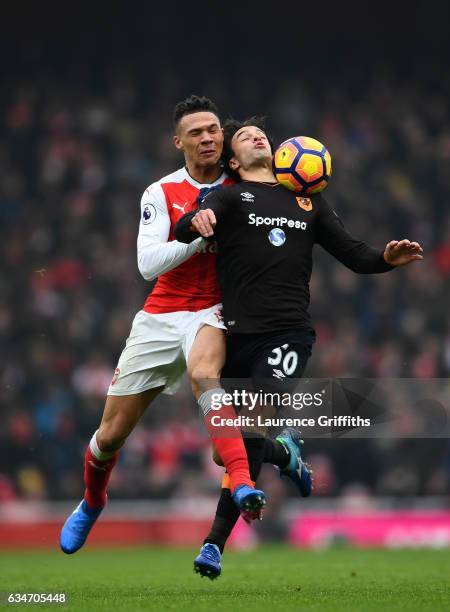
(111,437)
(203,371)
(202,374)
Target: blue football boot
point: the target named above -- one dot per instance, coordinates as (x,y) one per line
(250,502)
(208,561)
(296,470)
(77,527)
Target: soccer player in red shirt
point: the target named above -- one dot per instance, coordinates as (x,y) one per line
(179,327)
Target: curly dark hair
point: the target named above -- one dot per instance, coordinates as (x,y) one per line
(193,104)
(230,127)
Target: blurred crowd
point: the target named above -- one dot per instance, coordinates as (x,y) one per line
(75,157)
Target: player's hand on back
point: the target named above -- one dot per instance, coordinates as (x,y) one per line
(401,252)
(204,222)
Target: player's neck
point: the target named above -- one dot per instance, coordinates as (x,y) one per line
(259,175)
(204,174)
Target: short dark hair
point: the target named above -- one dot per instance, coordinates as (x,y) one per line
(193,104)
(230,127)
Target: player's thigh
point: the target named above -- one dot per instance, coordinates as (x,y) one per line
(204,347)
(206,358)
(121,414)
(208,351)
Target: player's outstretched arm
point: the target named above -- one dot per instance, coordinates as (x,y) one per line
(400,253)
(357,255)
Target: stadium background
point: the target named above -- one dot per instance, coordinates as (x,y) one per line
(85,126)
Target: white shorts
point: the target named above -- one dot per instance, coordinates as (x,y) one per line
(157,350)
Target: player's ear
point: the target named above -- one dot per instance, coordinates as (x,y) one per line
(234,164)
(177,142)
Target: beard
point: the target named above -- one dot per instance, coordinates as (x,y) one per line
(258,159)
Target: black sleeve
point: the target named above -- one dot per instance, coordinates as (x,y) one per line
(214,201)
(334,238)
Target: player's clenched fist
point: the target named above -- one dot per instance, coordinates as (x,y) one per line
(399,253)
(204,222)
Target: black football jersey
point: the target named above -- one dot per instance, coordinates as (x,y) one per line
(265,235)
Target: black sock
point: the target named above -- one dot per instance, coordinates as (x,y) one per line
(276,453)
(227,512)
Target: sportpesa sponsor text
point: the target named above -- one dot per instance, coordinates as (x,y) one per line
(276,221)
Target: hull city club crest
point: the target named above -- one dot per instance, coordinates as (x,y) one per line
(304,203)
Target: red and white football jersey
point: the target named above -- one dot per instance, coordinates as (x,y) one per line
(186,273)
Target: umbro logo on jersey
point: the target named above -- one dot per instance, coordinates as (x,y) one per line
(278,374)
(178,207)
(248,197)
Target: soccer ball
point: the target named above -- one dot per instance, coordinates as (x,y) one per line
(302,164)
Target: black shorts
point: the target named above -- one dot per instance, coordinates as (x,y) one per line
(269,360)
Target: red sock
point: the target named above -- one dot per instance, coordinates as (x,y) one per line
(96,477)
(231,449)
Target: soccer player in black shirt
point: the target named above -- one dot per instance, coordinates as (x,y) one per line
(265,235)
